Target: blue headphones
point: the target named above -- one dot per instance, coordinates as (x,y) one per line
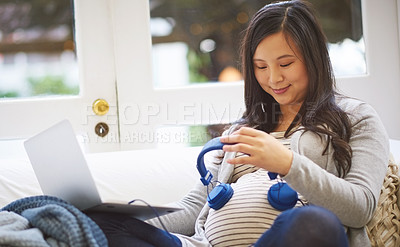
(280,195)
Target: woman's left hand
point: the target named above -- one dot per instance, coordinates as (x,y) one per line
(263,150)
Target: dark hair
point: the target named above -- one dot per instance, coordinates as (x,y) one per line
(319,112)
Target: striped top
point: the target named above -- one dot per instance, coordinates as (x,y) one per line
(248,214)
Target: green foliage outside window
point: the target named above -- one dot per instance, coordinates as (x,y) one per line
(51,85)
(197,64)
(8,94)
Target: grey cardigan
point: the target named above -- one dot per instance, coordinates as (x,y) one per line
(352,198)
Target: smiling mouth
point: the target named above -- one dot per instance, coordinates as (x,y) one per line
(281,90)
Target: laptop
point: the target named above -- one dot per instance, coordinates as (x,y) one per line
(62,171)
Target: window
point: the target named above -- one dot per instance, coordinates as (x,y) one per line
(39,58)
(198,41)
(37,49)
(348,23)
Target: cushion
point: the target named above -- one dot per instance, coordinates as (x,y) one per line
(384,227)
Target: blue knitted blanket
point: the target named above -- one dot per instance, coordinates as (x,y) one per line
(60,220)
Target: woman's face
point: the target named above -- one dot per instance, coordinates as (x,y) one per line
(280,70)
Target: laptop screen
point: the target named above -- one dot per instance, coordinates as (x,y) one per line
(60,166)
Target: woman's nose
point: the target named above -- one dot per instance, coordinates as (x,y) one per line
(275,76)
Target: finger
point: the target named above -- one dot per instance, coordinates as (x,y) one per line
(248,131)
(240,147)
(232,138)
(228,139)
(240,160)
(237,138)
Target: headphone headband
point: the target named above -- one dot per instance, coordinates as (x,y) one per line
(214,144)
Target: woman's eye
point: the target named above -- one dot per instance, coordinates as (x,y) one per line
(261,67)
(286,65)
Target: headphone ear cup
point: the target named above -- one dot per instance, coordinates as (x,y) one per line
(219,196)
(282,197)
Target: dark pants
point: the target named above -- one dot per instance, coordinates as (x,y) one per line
(300,227)
(305,226)
(122,230)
